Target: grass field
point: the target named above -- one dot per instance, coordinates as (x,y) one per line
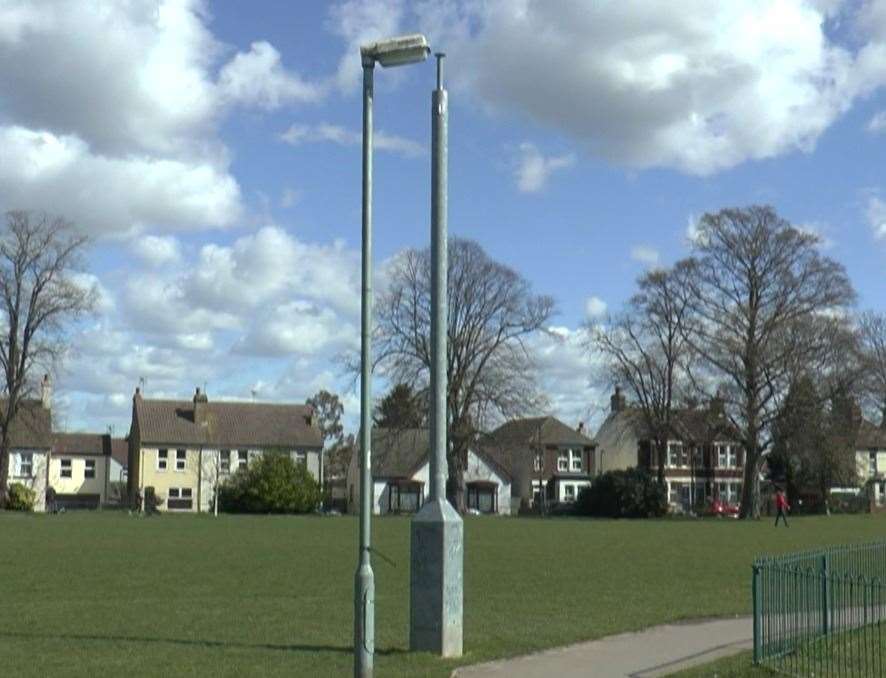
(103,594)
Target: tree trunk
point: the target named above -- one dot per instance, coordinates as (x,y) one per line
(4,477)
(456,482)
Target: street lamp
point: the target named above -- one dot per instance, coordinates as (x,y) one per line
(398,51)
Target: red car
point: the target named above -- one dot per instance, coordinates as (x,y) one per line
(722,509)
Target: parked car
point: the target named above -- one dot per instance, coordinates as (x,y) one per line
(722,509)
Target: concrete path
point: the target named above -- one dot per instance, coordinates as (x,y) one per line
(656,651)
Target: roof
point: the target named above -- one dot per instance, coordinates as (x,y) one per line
(696,424)
(80,444)
(870,436)
(120,451)
(32,426)
(400,453)
(225,424)
(544,430)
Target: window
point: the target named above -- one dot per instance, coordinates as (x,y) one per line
(26,465)
(89,471)
(727,455)
(538,489)
(162,459)
(301,458)
(568,492)
(575,460)
(225,461)
(537,464)
(697,457)
(242,458)
(677,455)
(66,468)
(181,459)
(563,460)
(180,498)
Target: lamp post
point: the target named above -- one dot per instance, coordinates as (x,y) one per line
(437,531)
(398,51)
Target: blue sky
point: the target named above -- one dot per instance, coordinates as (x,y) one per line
(213,152)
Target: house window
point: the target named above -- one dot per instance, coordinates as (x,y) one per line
(301,458)
(537,464)
(162,459)
(66,468)
(727,455)
(242,458)
(181,458)
(89,471)
(697,457)
(26,465)
(180,499)
(677,457)
(538,488)
(563,460)
(569,492)
(575,460)
(225,461)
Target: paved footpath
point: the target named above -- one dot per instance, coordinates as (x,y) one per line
(655,651)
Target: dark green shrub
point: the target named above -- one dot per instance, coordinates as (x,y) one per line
(21,498)
(630,493)
(273,483)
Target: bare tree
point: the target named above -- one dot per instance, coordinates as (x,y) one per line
(644,349)
(755,286)
(872,341)
(39,259)
(492,311)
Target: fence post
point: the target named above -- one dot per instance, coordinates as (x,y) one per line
(756,586)
(825,596)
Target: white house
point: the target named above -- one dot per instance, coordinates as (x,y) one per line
(30,445)
(400,476)
(79,469)
(870,458)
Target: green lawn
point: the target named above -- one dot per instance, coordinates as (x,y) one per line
(109,594)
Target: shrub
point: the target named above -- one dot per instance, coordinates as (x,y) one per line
(273,483)
(21,498)
(631,493)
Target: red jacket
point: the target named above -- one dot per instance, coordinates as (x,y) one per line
(781,501)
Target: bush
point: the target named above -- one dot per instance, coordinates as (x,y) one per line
(21,498)
(632,493)
(272,484)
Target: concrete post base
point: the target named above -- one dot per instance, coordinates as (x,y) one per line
(436,581)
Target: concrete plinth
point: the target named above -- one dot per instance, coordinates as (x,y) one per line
(436,582)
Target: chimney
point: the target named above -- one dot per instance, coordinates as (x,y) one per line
(137,395)
(718,406)
(46,392)
(617,401)
(309,415)
(200,400)
(581,427)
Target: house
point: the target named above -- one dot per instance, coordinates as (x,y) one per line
(184,449)
(400,466)
(704,461)
(119,460)
(30,443)
(549,461)
(870,458)
(79,469)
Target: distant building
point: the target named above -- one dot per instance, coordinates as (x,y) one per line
(548,460)
(30,443)
(400,475)
(184,449)
(704,460)
(79,469)
(870,458)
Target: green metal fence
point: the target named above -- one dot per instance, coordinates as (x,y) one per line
(822,613)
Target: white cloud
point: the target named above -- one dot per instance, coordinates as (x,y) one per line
(325,132)
(299,327)
(701,90)
(876,214)
(157,250)
(534,169)
(646,255)
(877,124)
(595,307)
(257,78)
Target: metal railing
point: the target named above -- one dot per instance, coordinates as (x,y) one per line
(822,612)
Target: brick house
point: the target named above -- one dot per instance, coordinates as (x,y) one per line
(549,462)
(704,461)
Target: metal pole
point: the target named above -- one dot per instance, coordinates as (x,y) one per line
(364,580)
(437,531)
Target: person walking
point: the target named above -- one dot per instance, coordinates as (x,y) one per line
(781,503)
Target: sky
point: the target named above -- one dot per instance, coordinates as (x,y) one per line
(212,151)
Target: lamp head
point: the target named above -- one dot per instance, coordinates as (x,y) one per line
(404,49)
